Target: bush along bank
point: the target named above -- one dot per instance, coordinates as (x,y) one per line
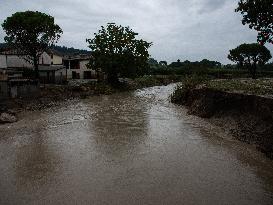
(248,116)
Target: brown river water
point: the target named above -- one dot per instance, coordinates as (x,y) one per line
(127,148)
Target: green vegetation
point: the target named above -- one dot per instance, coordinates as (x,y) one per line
(249,56)
(212,69)
(247,86)
(182,68)
(263,86)
(69,51)
(31,33)
(188,83)
(259,15)
(118,53)
(63,50)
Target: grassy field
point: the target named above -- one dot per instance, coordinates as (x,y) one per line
(263,86)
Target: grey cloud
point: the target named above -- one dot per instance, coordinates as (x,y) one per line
(184,29)
(212,5)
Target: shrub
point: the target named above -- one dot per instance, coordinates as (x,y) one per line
(189,82)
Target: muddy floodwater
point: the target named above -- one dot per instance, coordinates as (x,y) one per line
(127,148)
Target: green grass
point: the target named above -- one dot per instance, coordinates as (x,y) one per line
(262,86)
(247,86)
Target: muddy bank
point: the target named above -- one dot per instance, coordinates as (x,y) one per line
(247,117)
(55,95)
(52,95)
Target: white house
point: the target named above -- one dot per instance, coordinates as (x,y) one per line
(77,67)
(51,67)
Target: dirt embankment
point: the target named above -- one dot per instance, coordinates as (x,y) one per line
(51,96)
(248,117)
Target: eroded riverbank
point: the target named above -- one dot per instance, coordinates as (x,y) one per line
(249,118)
(127,148)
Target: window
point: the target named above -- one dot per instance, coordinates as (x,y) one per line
(75,75)
(87,75)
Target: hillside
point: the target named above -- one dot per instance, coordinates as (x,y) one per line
(61,49)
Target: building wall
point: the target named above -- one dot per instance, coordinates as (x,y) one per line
(57,60)
(14,61)
(24,90)
(4,90)
(3,62)
(45,59)
(80,72)
(83,64)
(53,76)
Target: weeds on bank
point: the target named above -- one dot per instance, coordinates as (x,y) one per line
(188,83)
(247,86)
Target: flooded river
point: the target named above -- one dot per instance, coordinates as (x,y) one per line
(127,148)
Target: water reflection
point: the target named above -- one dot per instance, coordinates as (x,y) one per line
(36,159)
(119,126)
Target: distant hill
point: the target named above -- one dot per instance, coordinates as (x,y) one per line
(61,49)
(70,51)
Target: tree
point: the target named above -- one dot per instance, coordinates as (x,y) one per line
(259,15)
(209,64)
(117,52)
(31,33)
(249,55)
(163,63)
(152,61)
(176,64)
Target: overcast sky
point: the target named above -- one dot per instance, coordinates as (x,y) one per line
(179,29)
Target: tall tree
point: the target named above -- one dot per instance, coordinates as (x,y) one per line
(259,15)
(117,52)
(31,33)
(250,55)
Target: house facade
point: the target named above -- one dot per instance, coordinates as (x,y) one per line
(51,69)
(77,67)
(54,68)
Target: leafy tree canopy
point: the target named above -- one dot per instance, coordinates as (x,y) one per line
(163,63)
(204,63)
(117,52)
(249,55)
(31,33)
(259,15)
(176,64)
(152,61)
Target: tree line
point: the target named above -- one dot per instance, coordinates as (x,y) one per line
(63,50)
